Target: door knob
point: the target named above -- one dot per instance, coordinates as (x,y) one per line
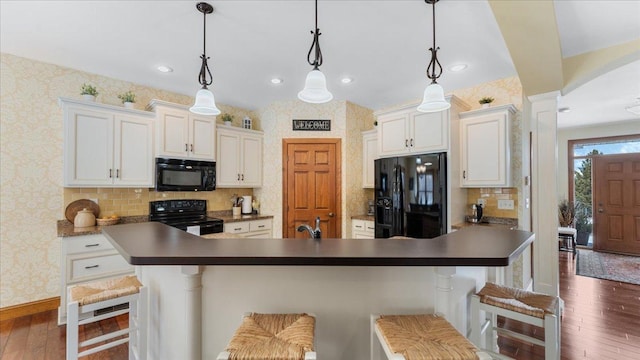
(600,210)
(331,214)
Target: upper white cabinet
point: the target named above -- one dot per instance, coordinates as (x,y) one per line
(239,157)
(106,146)
(182,134)
(369,155)
(486,147)
(405,131)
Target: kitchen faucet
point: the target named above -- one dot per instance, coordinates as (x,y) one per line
(314,234)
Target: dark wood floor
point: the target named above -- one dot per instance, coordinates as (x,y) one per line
(601,321)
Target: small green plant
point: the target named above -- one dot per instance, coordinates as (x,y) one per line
(486,100)
(226,117)
(88,89)
(129,96)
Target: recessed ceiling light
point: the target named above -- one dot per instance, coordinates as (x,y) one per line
(346,80)
(564,109)
(458,67)
(276,81)
(164,69)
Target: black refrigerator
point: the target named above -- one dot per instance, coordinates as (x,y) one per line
(411,196)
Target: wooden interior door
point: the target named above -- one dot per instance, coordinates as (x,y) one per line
(617,203)
(311,186)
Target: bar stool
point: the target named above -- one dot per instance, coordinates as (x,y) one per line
(272,336)
(529,307)
(85,299)
(421,337)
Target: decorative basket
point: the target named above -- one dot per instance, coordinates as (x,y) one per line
(105,222)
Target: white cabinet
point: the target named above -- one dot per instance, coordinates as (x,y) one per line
(250,229)
(239,157)
(84,259)
(407,131)
(182,134)
(362,229)
(106,145)
(369,155)
(486,147)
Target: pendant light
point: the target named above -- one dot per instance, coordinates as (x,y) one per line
(433,99)
(205,103)
(315,87)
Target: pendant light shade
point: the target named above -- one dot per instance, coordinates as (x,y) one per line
(315,86)
(315,89)
(433,99)
(205,103)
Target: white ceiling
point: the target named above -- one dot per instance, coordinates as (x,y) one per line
(382,45)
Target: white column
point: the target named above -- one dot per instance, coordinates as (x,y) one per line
(193,311)
(444,302)
(544,205)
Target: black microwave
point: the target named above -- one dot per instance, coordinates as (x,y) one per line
(185,175)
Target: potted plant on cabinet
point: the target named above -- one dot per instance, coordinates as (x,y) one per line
(485,101)
(566,213)
(128,99)
(226,118)
(88,92)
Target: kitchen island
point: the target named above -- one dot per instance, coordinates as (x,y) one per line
(199,287)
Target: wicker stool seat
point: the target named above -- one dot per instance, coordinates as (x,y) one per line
(529,307)
(85,299)
(272,336)
(423,337)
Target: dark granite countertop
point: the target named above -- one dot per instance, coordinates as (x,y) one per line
(154,243)
(65,228)
(363,217)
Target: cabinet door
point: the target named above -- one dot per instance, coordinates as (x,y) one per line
(133,151)
(228,149)
(369,154)
(484,151)
(429,132)
(173,133)
(392,134)
(251,161)
(88,148)
(202,137)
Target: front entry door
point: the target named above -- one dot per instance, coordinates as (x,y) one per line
(617,203)
(311,186)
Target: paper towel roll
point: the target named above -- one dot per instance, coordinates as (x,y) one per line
(246,205)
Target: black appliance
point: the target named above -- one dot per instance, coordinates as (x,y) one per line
(187,215)
(185,175)
(411,196)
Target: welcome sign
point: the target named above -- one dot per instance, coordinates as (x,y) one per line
(311,125)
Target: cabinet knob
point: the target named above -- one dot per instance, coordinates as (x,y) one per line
(117,173)
(242,177)
(91,266)
(92,245)
(186,147)
(191,147)
(110,176)
(411,143)
(464,174)
(406,143)
(238,177)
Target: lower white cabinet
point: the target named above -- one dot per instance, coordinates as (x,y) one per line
(362,229)
(250,229)
(84,259)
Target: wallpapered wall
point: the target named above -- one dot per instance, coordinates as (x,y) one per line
(32,198)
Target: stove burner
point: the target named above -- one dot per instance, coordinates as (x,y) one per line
(182,214)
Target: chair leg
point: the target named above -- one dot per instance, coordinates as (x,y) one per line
(551,338)
(72,330)
(476,325)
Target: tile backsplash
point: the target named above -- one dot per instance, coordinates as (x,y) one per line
(135,201)
(491,197)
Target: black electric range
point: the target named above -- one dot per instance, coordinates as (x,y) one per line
(187,215)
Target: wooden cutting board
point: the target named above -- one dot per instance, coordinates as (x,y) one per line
(75,206)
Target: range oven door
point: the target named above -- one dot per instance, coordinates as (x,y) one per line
(185,175)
